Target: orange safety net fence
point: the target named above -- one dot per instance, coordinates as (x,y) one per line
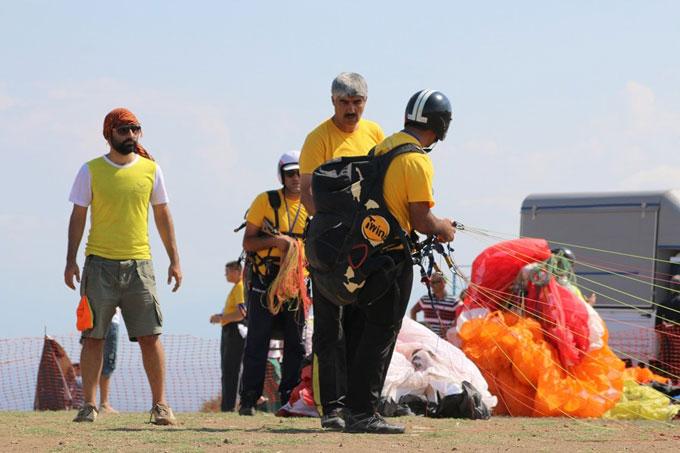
(39,373)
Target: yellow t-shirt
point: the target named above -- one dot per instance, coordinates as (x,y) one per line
(408,178)
(234,298)
(292,218)
(327,142)
(119,227)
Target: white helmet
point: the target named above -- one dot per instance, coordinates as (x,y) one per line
(288,161)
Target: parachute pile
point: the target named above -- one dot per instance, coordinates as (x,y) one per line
(540,346)
(428,367)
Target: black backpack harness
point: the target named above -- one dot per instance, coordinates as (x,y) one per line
(354,244)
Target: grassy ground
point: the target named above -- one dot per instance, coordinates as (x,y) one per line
(54,431)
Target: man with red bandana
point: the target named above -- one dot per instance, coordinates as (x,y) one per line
(119,187)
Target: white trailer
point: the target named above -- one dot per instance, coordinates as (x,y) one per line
(643,231)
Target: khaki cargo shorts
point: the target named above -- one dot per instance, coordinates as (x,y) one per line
(128,284)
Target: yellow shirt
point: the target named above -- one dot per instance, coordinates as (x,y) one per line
(327,142)
(292,218)
(408,178)
(234,298)
(119,227)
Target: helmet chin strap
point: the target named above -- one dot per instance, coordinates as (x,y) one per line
(431,147)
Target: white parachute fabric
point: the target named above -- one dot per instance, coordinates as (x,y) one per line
(425,364)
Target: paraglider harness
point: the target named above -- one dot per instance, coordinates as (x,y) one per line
(423,256)
(539,274)
(354,245)
(253,262)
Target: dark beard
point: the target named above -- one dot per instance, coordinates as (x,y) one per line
(126,147)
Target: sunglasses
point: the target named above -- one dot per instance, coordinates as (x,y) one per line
(291,173)
(124,130)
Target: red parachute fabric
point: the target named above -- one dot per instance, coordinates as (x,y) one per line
(564,319)
(496,268)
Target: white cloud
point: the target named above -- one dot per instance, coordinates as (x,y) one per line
(6,101)
(642,107)
(661,177)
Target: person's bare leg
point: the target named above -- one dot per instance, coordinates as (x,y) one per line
(91,367)
(104,405)
(153,357)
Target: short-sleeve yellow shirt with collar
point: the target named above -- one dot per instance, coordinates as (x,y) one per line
(234,298)
(292,218)
(327,142)
(408,178)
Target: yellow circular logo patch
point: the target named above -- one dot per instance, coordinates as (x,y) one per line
(375,229)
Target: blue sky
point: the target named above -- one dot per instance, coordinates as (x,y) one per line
(547,97)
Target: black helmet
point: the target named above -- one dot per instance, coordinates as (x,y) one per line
(431,110)
(565,252)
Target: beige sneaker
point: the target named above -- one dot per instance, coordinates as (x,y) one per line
(87,413)
(162,415)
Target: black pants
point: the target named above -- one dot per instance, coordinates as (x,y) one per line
(336,333)
(231,353)
(382,321)
(260,325)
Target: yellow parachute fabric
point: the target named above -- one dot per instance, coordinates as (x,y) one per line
(640,402)
(524,370)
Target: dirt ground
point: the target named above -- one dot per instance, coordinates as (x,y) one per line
(54,431)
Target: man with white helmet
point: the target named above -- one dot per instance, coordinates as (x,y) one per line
(275,219)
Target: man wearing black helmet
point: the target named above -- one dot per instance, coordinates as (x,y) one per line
(408,195)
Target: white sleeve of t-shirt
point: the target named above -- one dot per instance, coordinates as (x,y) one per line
(81,192)
(158,194)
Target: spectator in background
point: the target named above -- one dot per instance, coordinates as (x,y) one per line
(109,364)
(440,311)
(667,326)
(231,344)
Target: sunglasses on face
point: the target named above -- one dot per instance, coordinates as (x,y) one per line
(291,173)
(124,130)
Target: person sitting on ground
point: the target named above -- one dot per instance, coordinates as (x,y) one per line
(231,343)
(439,311)
(567,254)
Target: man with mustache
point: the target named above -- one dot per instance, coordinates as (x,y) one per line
(346,133)
(118,272)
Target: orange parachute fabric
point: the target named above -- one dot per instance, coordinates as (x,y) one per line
(524,370)
(643,375)
(290,282)
(84,320)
